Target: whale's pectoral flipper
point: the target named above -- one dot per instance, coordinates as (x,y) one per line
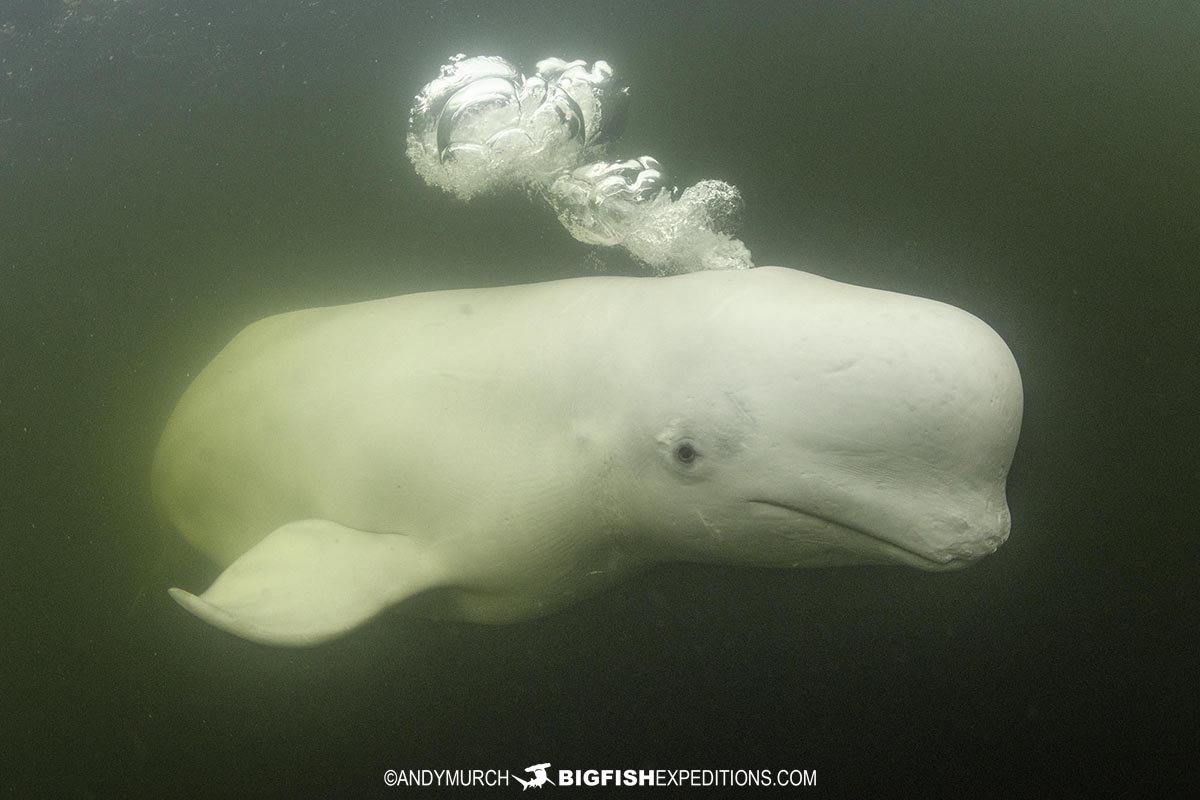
(310,581)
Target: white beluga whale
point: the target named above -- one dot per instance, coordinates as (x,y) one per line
(494,454)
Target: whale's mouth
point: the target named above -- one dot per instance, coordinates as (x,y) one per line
(894,549)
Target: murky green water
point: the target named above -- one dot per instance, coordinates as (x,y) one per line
(170,172)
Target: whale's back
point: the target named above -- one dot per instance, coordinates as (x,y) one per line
(398,411)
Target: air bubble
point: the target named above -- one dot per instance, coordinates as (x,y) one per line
(480,126)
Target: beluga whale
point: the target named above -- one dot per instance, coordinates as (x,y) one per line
(495,454)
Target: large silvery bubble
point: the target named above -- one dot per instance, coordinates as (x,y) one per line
(628,203)
(481,126)
(600,203)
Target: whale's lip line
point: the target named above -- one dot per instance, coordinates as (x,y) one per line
(831,521)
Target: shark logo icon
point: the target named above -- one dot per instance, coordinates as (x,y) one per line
(539,779)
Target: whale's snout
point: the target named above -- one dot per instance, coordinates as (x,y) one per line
(940,441)
(892,417)
(961,540)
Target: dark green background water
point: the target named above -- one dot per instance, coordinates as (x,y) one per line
(171,171)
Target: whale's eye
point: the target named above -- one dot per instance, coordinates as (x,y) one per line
(685,453)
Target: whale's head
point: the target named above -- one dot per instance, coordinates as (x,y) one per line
(777,418)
